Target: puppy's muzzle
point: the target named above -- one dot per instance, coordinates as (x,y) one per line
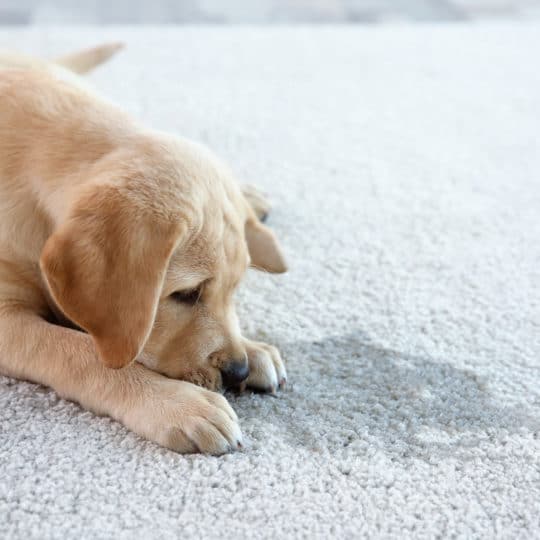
(235,372)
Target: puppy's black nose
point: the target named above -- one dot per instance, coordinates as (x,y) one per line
(234,372)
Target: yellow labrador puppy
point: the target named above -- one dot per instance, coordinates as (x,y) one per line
(120,251)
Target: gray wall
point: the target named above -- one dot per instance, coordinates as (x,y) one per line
(257,11)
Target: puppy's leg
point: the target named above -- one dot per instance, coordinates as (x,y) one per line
(175,414)
(266,370)
(257,201)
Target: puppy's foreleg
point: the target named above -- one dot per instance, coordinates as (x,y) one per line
(175,414)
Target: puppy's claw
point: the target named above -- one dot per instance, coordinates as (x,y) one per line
(282,382)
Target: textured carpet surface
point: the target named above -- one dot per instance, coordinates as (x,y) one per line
(404,166)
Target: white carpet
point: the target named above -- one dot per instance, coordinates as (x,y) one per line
(404,163)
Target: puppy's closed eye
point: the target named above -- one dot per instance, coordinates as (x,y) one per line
(188,296)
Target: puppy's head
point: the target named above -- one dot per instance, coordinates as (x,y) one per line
(148,257)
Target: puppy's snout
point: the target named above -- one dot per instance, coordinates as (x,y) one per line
(234,372)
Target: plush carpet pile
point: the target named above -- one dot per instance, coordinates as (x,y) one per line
(404,167)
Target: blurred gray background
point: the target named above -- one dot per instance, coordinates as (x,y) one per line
(259,11)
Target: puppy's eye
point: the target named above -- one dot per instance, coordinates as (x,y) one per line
(189,296)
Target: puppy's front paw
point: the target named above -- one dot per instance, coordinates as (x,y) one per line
(185,418)
(266,370)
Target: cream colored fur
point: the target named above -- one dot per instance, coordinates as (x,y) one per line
(121,250)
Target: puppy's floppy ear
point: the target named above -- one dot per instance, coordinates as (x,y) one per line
(105,267)
(263,247)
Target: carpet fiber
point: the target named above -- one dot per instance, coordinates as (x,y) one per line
(404,167)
